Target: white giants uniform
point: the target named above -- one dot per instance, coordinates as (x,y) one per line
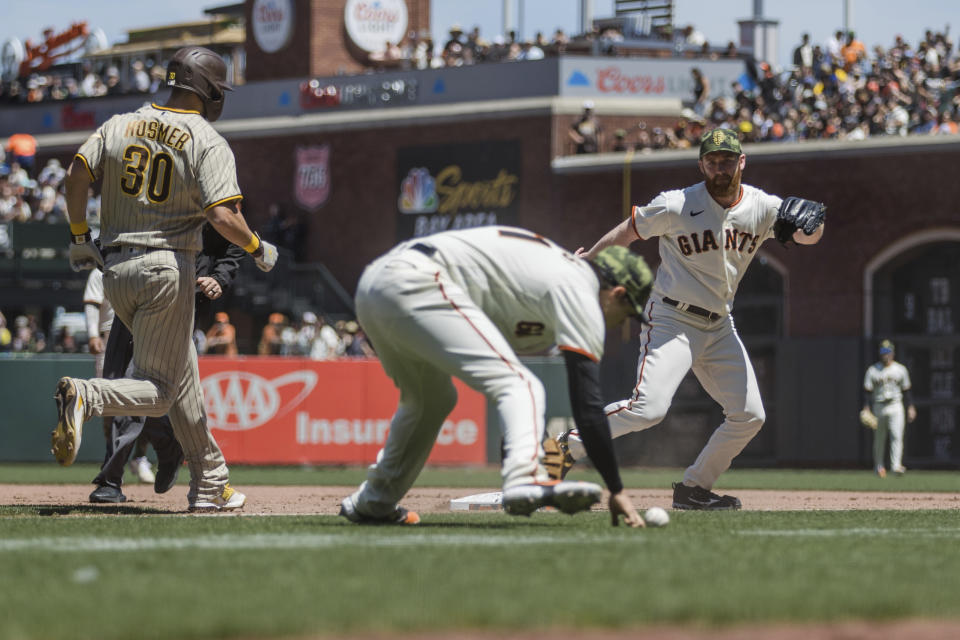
(161,168)
(99,314)
(886,386)
(464,304)
(704,251)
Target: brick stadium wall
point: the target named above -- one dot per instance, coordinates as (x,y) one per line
(293,59)
(358,221)
(319,45)
(874,199)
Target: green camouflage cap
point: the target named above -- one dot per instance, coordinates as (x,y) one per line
(720,140)
(620,266)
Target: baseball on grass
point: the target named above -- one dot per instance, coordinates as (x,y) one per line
(656,517)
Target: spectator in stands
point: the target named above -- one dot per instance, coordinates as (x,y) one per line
(619,140)
(51,204)
(271,342)
(6,338)
(306,334)
(52,173)
(834,47)
(326,344)
(530,51)
(13,208)
(65,342)
(27,337)
(693,38)
(701,91)
(22,149)
(355,341)
(221,339)
(140,77)
(585,132)
(853,52)
(113,82)
(156,78)
(89,81)
(803,54)
(558,44)
(456,37)
(423,52)
(945,124)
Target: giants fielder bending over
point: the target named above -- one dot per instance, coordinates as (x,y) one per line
(709,234)
(165,169)
(464,303)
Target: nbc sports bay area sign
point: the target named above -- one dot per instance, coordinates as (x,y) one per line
(457,186)
(301,411)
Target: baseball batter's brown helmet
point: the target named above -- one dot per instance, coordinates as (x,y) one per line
(202,72)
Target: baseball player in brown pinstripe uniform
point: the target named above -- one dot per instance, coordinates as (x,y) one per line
(165,169)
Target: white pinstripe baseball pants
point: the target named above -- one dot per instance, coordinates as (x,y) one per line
(152,292)
(425,330)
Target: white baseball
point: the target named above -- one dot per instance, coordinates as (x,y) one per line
(656,517)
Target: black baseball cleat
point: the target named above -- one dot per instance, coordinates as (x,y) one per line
(167,472)
(685,497)
(107,494)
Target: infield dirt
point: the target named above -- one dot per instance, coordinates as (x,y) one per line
(325,500)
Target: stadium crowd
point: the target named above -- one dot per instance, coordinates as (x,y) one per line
(312,336)
(837,90)
(416,51)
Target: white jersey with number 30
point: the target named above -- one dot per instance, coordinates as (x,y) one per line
(704,248)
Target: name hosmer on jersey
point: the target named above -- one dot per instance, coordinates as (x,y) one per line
(166,134)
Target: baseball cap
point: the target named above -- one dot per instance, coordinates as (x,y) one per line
(622,267)
(886,347)
(720,140)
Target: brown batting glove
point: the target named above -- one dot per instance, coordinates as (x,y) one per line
(620,505)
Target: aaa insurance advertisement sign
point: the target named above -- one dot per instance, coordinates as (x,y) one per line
(457,186)
(300,411)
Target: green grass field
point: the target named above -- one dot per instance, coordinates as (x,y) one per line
(145,576)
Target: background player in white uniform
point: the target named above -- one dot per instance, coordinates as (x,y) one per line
(464,304)
(165,169)
(886,387)
(99,316)
(709,233)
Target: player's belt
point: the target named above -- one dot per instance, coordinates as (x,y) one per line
(126,249)
(692,308)
(425,249)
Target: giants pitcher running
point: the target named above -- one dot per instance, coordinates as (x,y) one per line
(165,169)
(709,233)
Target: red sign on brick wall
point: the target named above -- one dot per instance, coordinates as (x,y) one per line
(267,410)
